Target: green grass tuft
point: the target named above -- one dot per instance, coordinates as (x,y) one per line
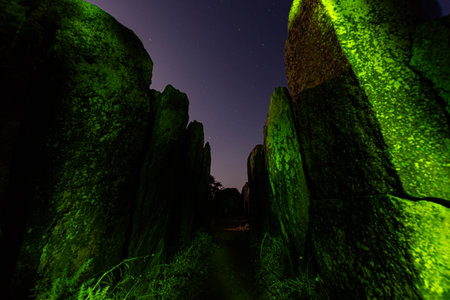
(180,278)
(276,280)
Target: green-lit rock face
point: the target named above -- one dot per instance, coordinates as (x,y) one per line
(382,246)
(375,39)
(285,170)
(343,151)
(312,51)
(374,124)
(427,232)
(88,130)
(430,58)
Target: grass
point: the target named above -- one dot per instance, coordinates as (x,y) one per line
(180,278)
(276,280)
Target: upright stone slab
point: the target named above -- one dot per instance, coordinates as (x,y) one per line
(430,58)
(261,215)
(374,39)
(160,171)
(290,201)
(382,247)
(86,119)
(374,125)
(193,199)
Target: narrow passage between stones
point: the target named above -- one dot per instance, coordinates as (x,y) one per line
(230,270)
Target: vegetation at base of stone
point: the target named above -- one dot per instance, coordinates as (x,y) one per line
(276,280)
(179,278)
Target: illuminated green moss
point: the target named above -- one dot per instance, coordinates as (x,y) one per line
(428,236)
(294,10)
(430,55)
(97,94)
(285,169)
(375,39)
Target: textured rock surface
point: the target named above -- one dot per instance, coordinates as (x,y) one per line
(285,170)
(340,140)
(161,169)
(382,246)
(77,122)
(375,40)
(374,124)
(317,59)
(87,119)
(430,48)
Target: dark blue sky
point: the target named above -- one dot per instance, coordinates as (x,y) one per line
(226,55)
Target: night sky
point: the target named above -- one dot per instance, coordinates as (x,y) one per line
(226,55)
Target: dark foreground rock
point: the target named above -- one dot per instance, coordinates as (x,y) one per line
(83,110)
(89,156)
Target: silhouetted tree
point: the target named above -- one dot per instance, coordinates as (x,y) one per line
(214,187)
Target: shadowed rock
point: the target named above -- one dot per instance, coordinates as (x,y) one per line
(79,83)
(261,215)
(160,170)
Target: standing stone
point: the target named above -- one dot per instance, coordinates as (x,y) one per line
(430,59)
(374,39)
(262,219)
(85,104)
(373,131)
(160,171)
(290,200)
(192,205)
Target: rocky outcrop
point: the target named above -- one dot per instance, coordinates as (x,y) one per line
(90,156)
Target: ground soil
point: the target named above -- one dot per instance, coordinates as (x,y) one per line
(231,274)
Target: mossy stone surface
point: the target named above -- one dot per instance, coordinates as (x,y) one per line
(382,246)
(430,55)
(376,39)
(342,147)
(373,38)
(312,52)
(93,105)
(290,201)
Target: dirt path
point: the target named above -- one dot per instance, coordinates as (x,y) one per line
(230,271)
